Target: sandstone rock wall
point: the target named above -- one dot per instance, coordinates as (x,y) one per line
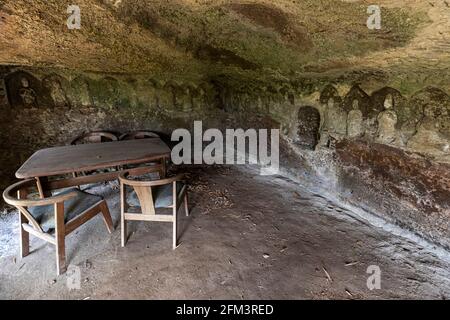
(381,150)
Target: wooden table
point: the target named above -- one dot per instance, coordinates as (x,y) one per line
(58,161)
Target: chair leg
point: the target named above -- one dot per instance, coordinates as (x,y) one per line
(186,205)
(123,222)
(163,168)
(123,227)
(174,224)
(106,216)
(74,174)
(60,235)
(24,237)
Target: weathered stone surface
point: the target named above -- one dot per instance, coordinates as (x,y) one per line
(355,127)
(334,124)
(406,189)
(57,86)
(78,93)
(432,134)
(387,133)
(239,41)
(363,99)
(330,92)
(398,103)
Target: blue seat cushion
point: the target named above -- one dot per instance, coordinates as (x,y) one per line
(162,196)
(45,215)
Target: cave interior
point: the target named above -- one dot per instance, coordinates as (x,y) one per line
(364,144)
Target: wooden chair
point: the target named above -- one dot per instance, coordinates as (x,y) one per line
(138,135)
(55,217)
(147,196)
(94,137)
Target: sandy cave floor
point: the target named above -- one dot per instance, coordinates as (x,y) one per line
(248,237)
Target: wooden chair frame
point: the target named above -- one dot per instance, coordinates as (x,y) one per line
(148,210)
(94,137)
(142,134)
(62,228)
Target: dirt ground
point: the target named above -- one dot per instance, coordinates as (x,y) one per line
(248,237)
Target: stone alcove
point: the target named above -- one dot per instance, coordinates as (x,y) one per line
(25,90)
(308,126)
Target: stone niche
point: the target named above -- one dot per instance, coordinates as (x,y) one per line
(308,126)
(26,91)
(3,96)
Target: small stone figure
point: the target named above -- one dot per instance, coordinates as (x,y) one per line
(428,138)
(53,84)
(335,123)
(27,94)
(387,121)
(355,121)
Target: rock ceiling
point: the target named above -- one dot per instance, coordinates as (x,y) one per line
(236,40)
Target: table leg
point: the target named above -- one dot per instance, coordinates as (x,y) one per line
(40,181)
(164,168)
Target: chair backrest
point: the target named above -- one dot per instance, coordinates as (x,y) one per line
(143,190)
(94,137)
(138,135)
(17,195)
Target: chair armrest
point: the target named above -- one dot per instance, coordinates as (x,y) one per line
(123,179)
(12,200)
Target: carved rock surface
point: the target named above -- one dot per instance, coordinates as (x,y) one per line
(395,179)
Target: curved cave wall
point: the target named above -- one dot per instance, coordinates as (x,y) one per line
(375,148)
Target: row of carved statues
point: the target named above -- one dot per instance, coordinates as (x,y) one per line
(23,89)
(420,123)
